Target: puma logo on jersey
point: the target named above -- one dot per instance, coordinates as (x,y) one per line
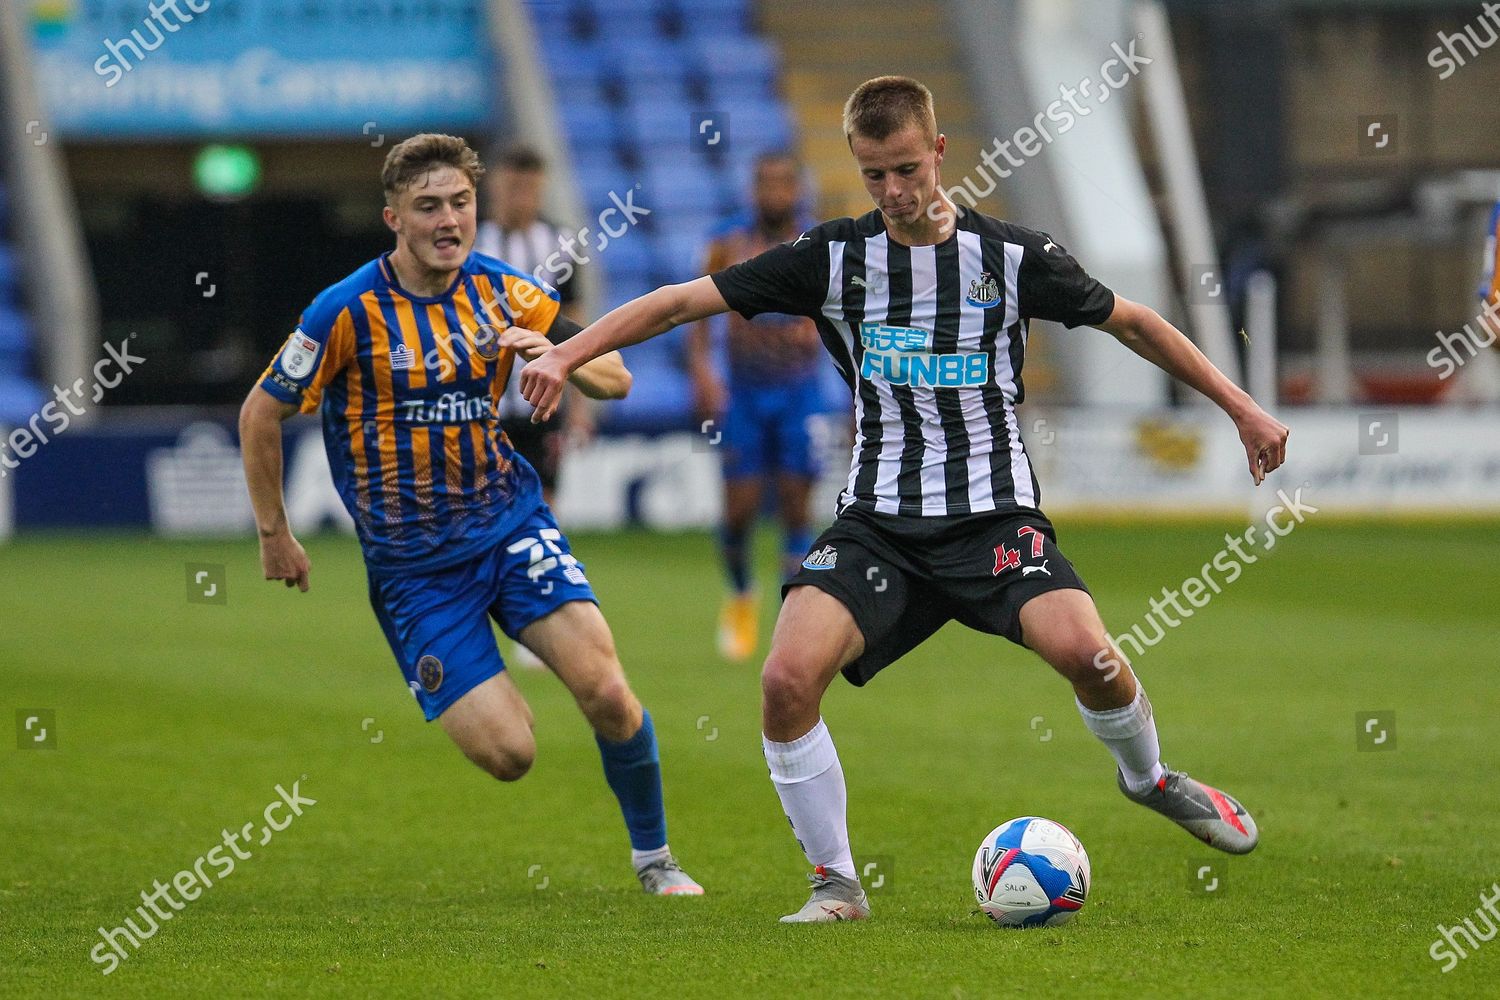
(799,239)
(1049,245)
(1028,570)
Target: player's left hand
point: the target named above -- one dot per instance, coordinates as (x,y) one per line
(529,344)
(1264,438)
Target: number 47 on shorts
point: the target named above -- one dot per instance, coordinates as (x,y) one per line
(1009,558)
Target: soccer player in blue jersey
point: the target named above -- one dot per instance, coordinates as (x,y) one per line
(406,359)
(763,412)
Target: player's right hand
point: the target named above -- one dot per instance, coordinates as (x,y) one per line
(283,558)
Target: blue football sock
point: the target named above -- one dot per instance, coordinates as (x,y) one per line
(633,770)
(734,543)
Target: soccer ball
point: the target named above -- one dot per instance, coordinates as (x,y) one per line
(1031,872)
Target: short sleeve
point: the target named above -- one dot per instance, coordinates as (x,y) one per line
(312,357)
(533,304)
(790,278)
(1051,285)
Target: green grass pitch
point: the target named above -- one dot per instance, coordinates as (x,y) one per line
(416,875)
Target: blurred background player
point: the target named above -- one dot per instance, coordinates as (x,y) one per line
(404,358)
(762,411)
(516,233)
(1484,373)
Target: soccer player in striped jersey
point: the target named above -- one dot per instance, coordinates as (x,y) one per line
(405,360)
(925,311)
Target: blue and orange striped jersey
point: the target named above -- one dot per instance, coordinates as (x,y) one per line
(408,387)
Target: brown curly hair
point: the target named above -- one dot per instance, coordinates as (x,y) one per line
(413,158)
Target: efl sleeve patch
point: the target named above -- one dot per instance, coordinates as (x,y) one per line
(300,356)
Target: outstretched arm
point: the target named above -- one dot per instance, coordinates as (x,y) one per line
(1143,330)
(281,555)
(640,319)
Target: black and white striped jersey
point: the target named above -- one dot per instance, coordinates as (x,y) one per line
(931,341)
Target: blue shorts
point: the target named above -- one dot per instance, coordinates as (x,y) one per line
(438,623)
(766,430)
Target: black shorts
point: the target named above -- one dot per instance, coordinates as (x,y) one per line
(903,578)
(538,444)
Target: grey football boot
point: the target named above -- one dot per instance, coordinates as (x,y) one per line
(834,897)
(1207,813)
(666,878)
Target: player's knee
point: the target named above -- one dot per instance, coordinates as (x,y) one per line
(1086,661)
(505,762)
(611,707)
(789,682)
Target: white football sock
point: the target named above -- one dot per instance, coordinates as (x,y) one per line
(810,781)
(1130,735)
(643,858)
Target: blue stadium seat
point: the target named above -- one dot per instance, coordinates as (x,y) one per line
(761,127)
(10,276)
(15,330)
(713,17)
(695,227)
(642,10)
(550,20)
(588,125)
(583,90)
(729,92)
(680,183)
(622,287)
(668,404)
(598,176)
(657,90)
(661,125)
(650,59)
(14,365)
(736,57)
(627,25)
(567,61)
(628,258)
(681,256)
(20,399)
(631,77)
